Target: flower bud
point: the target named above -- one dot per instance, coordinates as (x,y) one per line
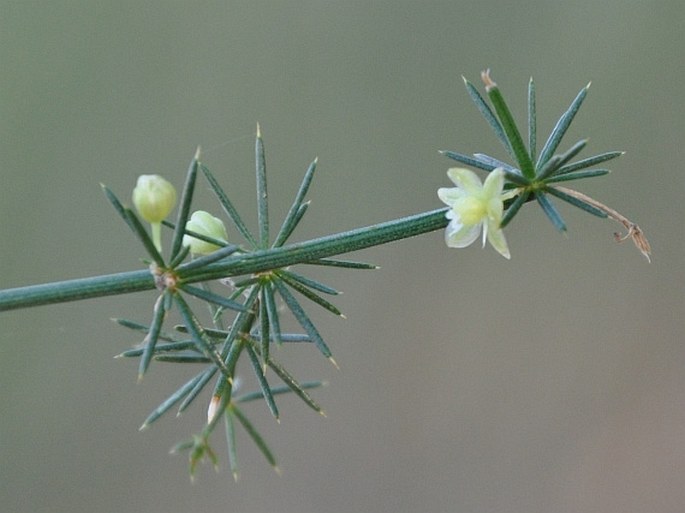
(154,198)
(204,223)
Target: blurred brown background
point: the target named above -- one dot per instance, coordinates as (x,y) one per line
(551,383)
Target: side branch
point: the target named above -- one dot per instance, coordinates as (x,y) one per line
(257,261)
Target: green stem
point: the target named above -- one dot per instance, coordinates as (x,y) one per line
(72,290)
(157,236)
(257,261)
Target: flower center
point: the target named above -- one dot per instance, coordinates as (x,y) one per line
(470,210)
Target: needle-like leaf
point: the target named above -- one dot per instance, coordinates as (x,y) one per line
(152,336)
(230,442)
(489,116)
(551,211)
(202,380)
(291,217)
(577,175)
(284,389)
(549,167)
(576,202)
(139,230)
(254,434)
(272,313)
(263,383)
(121,210)
(212,297)
(347,264)
(572,152)
(495,163)
(590,161)
(309,294)
(202,237)
(264,327)
(514,208)
(308,282)
(184,205)
(294,385)
(509,125)
(180,257)
(228,207)
(144,328)
(242,323)
(182,358)
(196,331)
(262,196)
(222,335)
(466,159)
(171,400)
(532,120)
(560,128)
(302,318)
(171,347)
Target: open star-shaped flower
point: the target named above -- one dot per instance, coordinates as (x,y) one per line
(475,207)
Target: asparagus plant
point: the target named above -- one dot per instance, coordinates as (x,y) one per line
(244,281)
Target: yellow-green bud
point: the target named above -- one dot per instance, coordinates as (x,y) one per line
(154,198)
(204,223)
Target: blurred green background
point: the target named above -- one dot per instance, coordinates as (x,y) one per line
(552,382)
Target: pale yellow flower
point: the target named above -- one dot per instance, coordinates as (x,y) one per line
(154,198)
(475,207)
(204,223)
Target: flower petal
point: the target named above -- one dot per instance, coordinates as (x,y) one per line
(494,183)
(459,236)
(495,210)
(466,179)
(497,240)
(450,195)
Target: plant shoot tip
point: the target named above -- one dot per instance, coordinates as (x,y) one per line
(485,77)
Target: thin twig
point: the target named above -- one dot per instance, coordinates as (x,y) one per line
(633,230)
